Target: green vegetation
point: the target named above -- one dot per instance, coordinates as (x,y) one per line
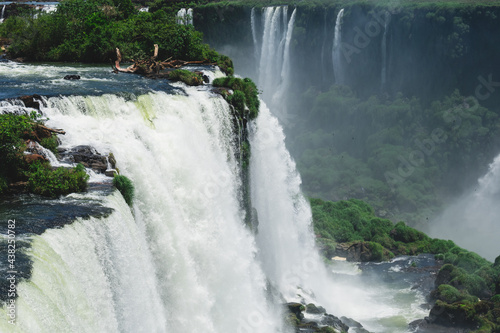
(126,188)
(245,96)
(398,155)
(90,30)
(355,221)
(52,183)
(40,178)
(467,286)
(188,77)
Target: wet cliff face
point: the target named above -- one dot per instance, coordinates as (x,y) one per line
(350,142)
(427,52)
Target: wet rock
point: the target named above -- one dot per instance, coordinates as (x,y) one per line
(354,326)
(331,320)
(356,251)
(30,101)
(296,309)
(85,155)
(72,77)
(313,309)
(111,173)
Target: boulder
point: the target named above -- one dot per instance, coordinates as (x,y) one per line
(85,155)
(72,77)
(355,251)
(313,309)
(30,101)
(332,321)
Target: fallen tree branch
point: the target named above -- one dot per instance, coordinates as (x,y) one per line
(152,66)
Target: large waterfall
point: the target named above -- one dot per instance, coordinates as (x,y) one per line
(182,260)
(274,61)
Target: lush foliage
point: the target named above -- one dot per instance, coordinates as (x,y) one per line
(13,129)
(354,221)
(188,77)
(126,188)
(396,154)
(467,286)
(43,180)
(90,30)
(245,95)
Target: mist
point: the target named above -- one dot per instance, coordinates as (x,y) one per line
(473,221)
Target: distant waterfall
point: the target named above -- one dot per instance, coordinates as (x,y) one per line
(254,34)
(274,64)
(2,15)
(472,222)
(383,47)
(185,16)
(336,51)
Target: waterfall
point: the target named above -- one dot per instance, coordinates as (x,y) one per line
(274,64)
(1,15)
(254,34)
(383,47)
(336,53)
(185,16)
(181,260)
(472,221)
(189,18)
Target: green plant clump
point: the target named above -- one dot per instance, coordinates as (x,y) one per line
(188,77)
(126,188)
(245,95)
(52,183)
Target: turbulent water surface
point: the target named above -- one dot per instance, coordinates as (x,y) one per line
(181,259)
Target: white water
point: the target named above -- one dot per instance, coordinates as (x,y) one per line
(472,222)
(185,16)
(274,63)
(383,47)
(336,51)
(189,262)
(287,248)
(2,14)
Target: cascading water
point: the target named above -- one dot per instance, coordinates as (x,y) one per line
(383,47)
(336,51)
(253,24)
(274,63)
(472,222)
(182,260)
(2,14)
(185,16)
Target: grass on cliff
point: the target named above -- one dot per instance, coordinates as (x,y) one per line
(245,95)
(467,286)
(40,178)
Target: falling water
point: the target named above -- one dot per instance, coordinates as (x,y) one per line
(274,64)
(185,16)
(254,34)
(472,222)
(2,15)
(383,47)
(181,260)
(189,17)
(336,53)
